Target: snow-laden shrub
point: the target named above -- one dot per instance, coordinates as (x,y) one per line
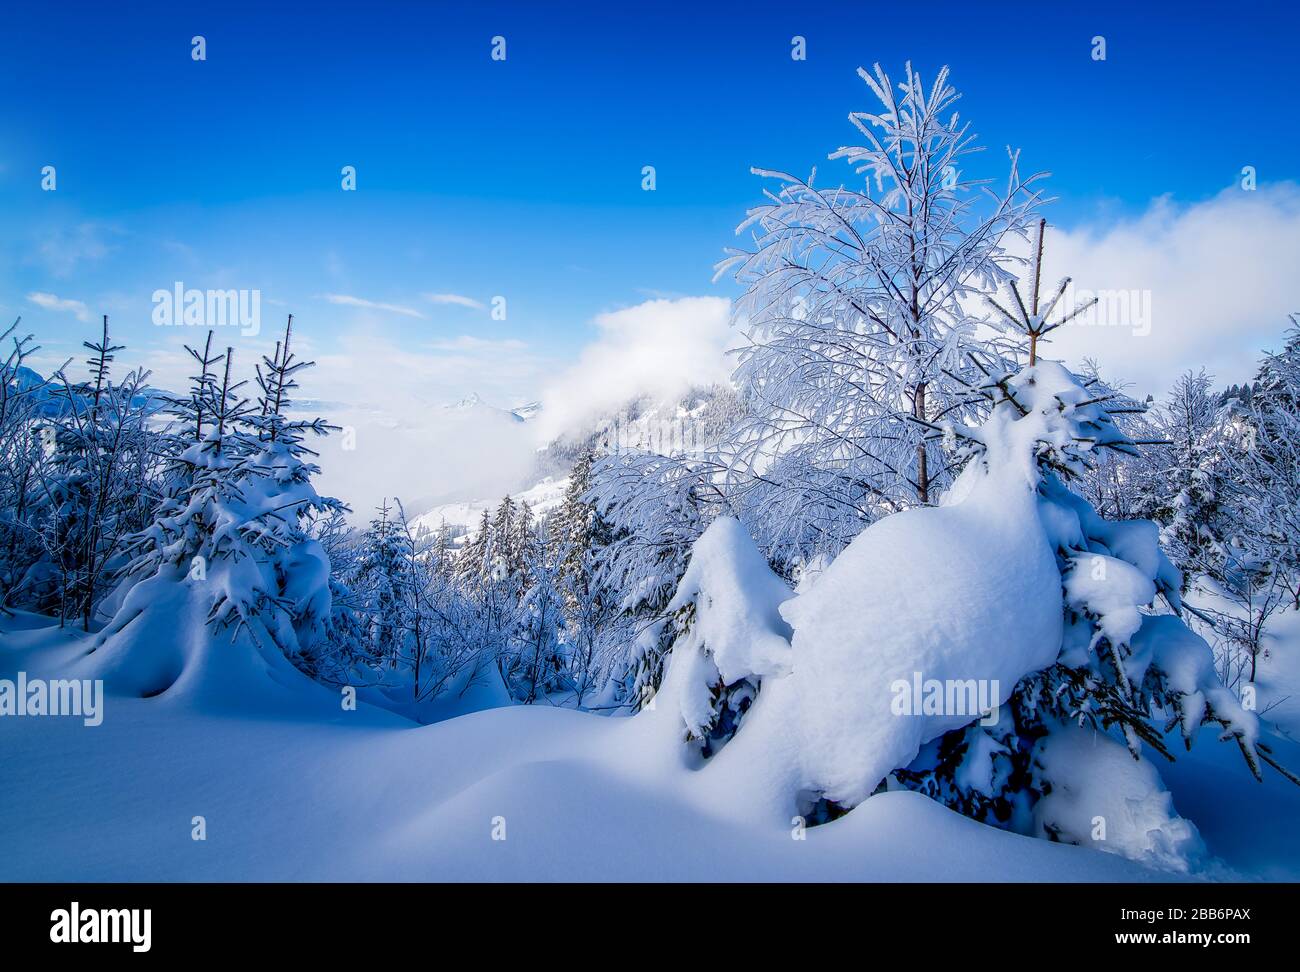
(1014,586)
(731,634)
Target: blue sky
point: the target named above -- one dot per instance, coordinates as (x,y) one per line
(522,178)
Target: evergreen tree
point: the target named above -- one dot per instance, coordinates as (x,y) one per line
(382,577)
(579,533)
(1118,669)
(98,490)
(27,445)
(652,510)
(473,564)
(541,667)
(234,538)
(1183,491)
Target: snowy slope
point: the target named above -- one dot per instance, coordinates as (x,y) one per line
(543,497)
(365,795)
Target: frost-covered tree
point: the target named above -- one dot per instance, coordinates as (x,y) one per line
(1277,384)
(96,486)
(26,447)
(1253,569)
(1008,652)
(103,476)
(1123,667)
(402,632)
(1183,489)
(382,578)
(493,572)
(1119,670)
(856,310)
(1269,436)
(1258,569)
(1116,482)
(578,535)
(540,663)
(654,509)
(474,563)
(231,550)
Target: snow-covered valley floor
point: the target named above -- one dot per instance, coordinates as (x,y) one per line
(318,793)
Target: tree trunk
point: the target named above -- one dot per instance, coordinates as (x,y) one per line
(922,460)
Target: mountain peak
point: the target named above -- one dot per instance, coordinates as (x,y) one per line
(472,400)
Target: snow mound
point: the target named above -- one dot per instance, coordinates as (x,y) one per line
(1104,798)
(952,593)
(161,645)
(368,796)
(728,602)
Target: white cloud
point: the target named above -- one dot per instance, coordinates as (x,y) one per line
(458,299)
(63,251)
(348,300)
(391,394)
(1221,276)
(54,303)
(660,348)
(407,444)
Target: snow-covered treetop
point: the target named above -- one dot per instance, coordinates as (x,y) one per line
(857,297)
(736,597)
(1043,418)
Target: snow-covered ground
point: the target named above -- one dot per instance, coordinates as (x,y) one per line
(319,793)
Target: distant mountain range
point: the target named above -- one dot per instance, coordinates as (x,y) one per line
(50,392)
(476,405)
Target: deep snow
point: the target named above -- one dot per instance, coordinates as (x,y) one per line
(320,793)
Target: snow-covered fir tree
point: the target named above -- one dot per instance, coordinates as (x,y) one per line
(382,577)
(540,663)
(578,534)
(654,509)
(95,487)
(26,448)
(230,555)
(1126,671)
(1013,585)
(1183,491)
